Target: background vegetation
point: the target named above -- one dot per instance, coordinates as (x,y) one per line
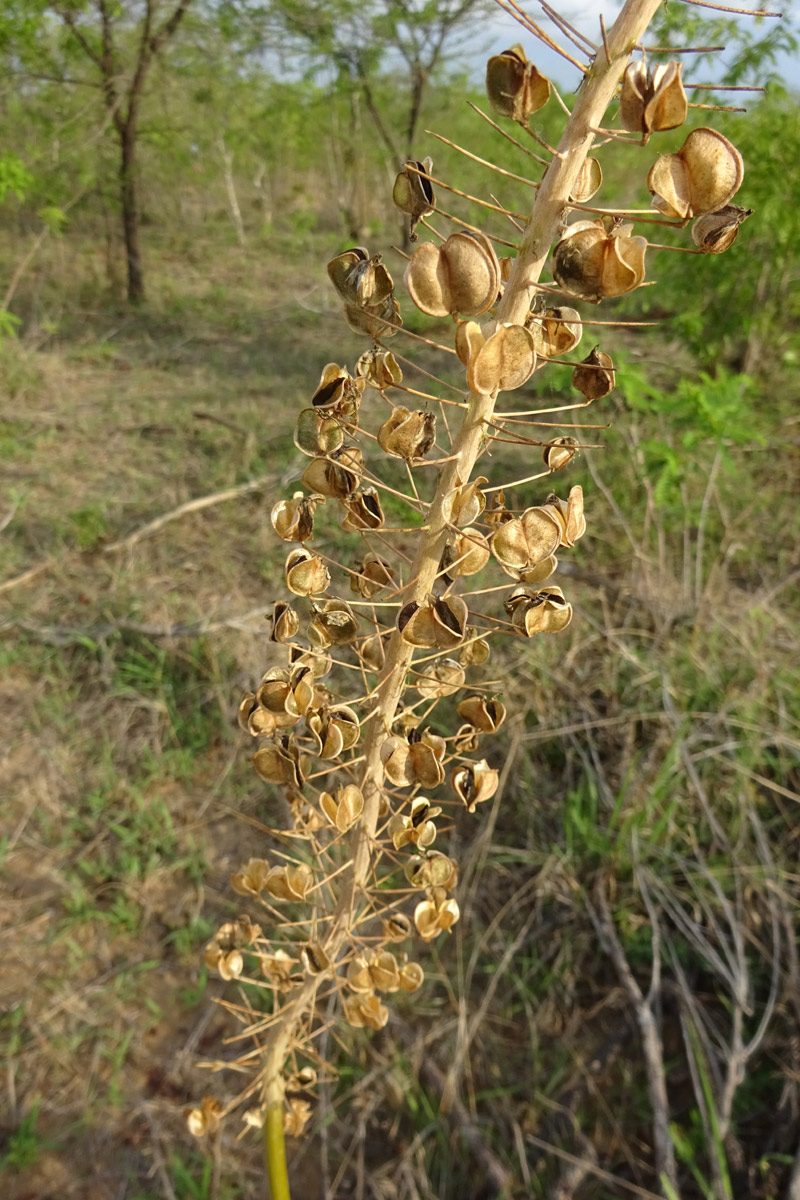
(648,814)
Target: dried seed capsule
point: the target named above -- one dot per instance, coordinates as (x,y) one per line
(334,624)
(474,783)
(413,192)
(555,331)
(589,181)
(533,612)
(306,574)
(407,434)
(280,762)
(503,362)
(316,434)
(715,232)
(595,377)
(285,623)
(595,264)
(338,394)
(460,276)
(344,807)
(363,511)
(652,100)
(485,715)
(336,476)
(396,927)
(293,520)
(359,279)
(439,912)
(440,678)
(560,453)
(436,622)
(514,86)
(374,320)
(414,760)
(702,177)
(379,369)
(371,576)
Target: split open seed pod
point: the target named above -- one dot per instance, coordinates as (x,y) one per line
(379,369)
(595,264)
(532,611)
(556,331)
(702,177)
(285,623)
(306,574)
(475,651)
(414,760)
(514,86)
(407,434)
(715,232)
(468,554)
(336,476)
(460,276)
(417,829)
(474,783)
(588,183)
(468,340)
(526,542)
(411,976)
(280,762)
(436,914)
(486,715)
(293,520)
(569,514)
(432,869)
(255,720)
(334,730)
(437,621)
(359,279)
(287,693)
(373,652)
(413,192)
(443,677)
(371,576)
(560,453)
(363,511)
(334,624)
(314,959)
(365,1012)
(466,502)
(652,100)
(374,320)
(396,927)
(505,361)
(343,807)
(316,434)
(595,377)
(338,394)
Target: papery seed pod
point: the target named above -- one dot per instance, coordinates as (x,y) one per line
(533,612)
(253,719)
(559,453)
(286,694)
(396,927)
(250,881)
(436,622)
(486,715)
(418,828)
(407,434)
(436,914)
(405,719)
(528,540)
(358,977)
(443,677)
(702,177)
(336,476)
(469,338)
(296,1116)
(314,959)
(497,513)
(475,650)
(359,279)
(280,762)
(595,377)
(204,1120)
(343,807)
(305,818)
(363,511)
(376,320)
(652,100)
(384,971)
(379,369)
(306,574)
(290,882)
(414,760)
(334,730)
(293,520)
(460,276)
(470,553)
(371,576)
(316,434)
(413,192)
(285,623)
(279,968)
(595,264)
(556,331)
(432,869)
(466,502)
(361,1011)
(411,977)
(334,624)
(466,739)
(570,515)
(474,783)
(716,232)
(317,663)
(232,935)
(514,86)
(338,394)
(588,183)
(504,362)
(373,652)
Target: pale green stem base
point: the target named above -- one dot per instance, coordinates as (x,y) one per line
(275,1153)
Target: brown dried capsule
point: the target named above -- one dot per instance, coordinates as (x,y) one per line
(596,264)
(359,279)
(486,715)
(343,807)
(336,476)
(407,434)
(505,361)
(560,453)
(306,574)
(715,232)
(436,914)
(285,623)
(595,377)
(363,511)
(514,86)
(414,760)
(334,624)
(338,394)
(413,192)
(462,275)
(474,783)
(379,369)
(702,177)
(372,575)
(293,520)
(652,100)
(533,612)
(555,331)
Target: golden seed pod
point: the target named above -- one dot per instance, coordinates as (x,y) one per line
(474,782)
(251,880)
(379,369)
(443,677)
(470,553)
(497,513)
(296,1116)
(334,624)
(336,476)
(569,514)
(252,719)
(505,361)
(372,575)
(595,264)
(702,177)
(373,652)
(466,739)
(293,520)
(285,623)
(595,377)
(343,807)
(316,434)
(460,276)
(527,541)
(555,331)
(466,502)
(417,829)
(306,574)
(533,612)
(363,510)
(432,869)
(413,192)
(514,86)
(396,927)
(278,967)
(485,715)
(203,1120)
(289,882)
(559,453)
(436,622)
(376,320)
(652,100)
(414,760)
(715,232)
(314,959)
(588,183)
(359,279)
(338,394)
(468,340)
(365,1011)
(407,434)
(280,762)
(436,914)
(317,663)
(411,976)
(475,650)
(333,730)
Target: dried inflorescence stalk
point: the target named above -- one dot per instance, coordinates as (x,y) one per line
(367,648)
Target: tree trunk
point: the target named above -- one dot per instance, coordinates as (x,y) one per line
(130,211)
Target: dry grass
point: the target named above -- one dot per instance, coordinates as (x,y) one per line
(653,775)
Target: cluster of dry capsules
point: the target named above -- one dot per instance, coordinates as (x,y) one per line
(356,753)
